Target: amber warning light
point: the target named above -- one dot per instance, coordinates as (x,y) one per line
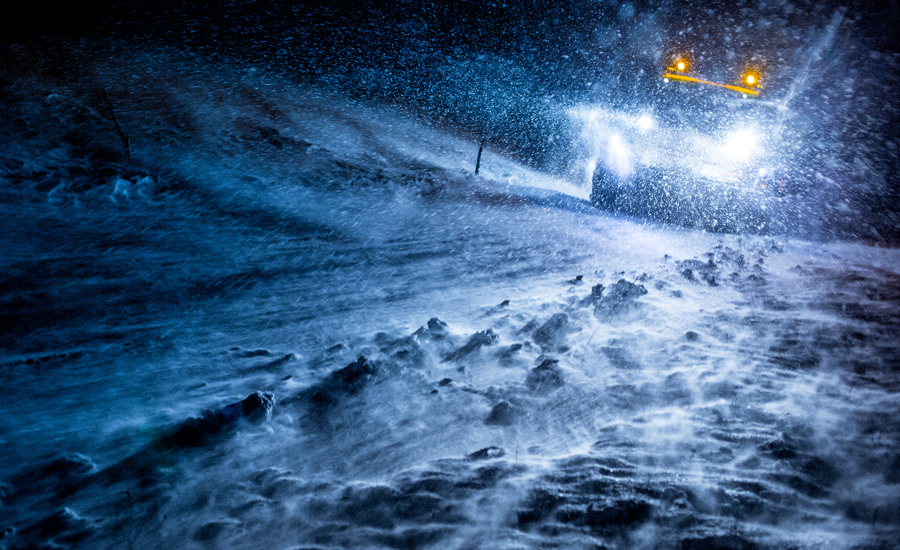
(748,84)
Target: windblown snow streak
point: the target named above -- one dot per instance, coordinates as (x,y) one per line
(432,359)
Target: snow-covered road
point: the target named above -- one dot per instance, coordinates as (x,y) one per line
(456,361)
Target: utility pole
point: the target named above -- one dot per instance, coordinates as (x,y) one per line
(478,161)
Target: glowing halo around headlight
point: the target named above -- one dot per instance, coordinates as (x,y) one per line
(644,123)
(751,79)
(740,145)
(618,155)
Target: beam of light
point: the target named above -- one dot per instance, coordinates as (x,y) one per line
(618,155)
(740,145)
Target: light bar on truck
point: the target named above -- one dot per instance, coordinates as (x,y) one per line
(751,80)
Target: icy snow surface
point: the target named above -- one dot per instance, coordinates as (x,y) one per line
(446,373)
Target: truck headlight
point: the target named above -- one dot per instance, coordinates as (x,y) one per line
(741,144)
(645,122)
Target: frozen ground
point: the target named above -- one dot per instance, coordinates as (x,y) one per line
(444,370)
